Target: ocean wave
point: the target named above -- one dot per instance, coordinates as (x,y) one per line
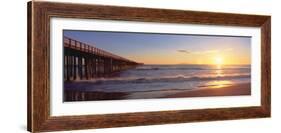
(188,68)
(169,79)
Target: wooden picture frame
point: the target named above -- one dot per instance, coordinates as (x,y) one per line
(39,14)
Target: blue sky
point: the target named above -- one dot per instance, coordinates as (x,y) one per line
(168,48)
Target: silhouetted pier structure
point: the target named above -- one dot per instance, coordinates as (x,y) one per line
(82,61)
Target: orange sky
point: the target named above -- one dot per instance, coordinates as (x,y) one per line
(150,48)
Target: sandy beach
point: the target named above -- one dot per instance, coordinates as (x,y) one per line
(232,90)
(71,95)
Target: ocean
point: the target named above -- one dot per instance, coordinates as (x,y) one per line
(149,81)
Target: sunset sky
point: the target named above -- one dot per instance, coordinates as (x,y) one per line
(169,48)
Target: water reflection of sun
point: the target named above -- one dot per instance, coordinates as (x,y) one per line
(219,73)
(218,84)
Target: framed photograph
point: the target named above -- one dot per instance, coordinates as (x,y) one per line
(97,66)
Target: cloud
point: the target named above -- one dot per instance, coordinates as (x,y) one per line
(204,52)
(183,51)
(197,52)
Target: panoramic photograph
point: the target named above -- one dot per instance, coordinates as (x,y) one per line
(105,65)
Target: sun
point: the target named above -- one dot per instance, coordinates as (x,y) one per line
(218,60)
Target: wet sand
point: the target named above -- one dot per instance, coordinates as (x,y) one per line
(232,90)
(71,95)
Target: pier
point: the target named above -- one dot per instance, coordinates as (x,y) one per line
(83,61)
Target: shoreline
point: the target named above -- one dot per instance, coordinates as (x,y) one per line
(231,90)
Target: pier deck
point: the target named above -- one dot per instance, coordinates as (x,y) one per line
(83,61)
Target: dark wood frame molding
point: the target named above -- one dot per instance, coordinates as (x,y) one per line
(39,15)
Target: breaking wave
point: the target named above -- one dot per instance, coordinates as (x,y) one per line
(168,79)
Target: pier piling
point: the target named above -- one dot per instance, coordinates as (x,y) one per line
(83,61)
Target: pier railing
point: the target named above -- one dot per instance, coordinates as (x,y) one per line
(83,61)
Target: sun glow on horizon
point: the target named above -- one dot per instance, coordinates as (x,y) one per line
(170,49)
(218,61)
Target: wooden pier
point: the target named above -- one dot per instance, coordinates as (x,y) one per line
(83,61)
